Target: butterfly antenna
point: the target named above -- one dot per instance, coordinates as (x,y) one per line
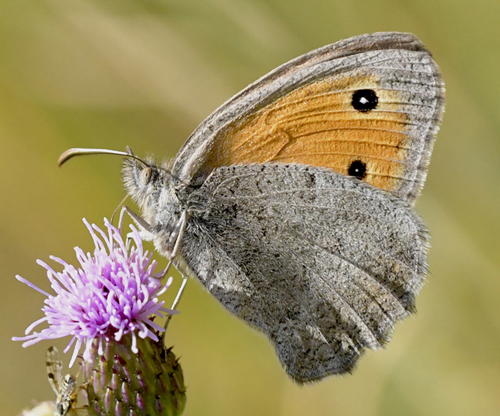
(77,151)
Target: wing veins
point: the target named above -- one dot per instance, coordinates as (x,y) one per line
(305,205)
(237,266)
(365,273)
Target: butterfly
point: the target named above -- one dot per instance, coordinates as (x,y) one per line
(292,203)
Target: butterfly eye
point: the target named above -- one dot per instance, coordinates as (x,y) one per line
(145,175)
(364,100)
(357,169)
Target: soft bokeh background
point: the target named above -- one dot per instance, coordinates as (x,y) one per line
(144,73)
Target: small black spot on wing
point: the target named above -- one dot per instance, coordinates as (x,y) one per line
(364,100)
(357,169)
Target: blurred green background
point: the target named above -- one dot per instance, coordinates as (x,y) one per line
(144,73)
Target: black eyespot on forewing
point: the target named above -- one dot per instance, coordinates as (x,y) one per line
(364,100)
(357,169)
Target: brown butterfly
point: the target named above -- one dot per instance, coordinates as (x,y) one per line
(291,203)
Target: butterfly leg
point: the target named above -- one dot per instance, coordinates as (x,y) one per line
(116,210)
(177,234)
(181,227)
(139,221)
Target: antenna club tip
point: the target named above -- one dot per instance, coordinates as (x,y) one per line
(64,157)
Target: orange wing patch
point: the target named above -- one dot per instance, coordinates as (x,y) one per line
(317,125)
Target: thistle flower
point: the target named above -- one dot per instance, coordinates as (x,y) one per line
(114,292)
(108,304)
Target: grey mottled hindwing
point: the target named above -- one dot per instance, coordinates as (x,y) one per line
(323,264)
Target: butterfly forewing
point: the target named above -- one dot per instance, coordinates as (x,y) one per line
(367,108)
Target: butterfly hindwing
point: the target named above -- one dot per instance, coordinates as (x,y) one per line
(323,264)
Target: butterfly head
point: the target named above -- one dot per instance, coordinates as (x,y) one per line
(143,178)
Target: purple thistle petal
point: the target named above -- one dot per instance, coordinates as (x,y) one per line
(28,283)
(112,293)
(35,324)
(152,324)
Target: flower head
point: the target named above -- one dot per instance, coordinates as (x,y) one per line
(114,292)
